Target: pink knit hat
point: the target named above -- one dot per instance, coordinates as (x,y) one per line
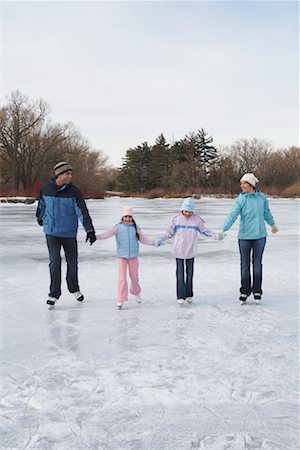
(127,211)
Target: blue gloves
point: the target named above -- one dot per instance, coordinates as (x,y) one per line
(158,242)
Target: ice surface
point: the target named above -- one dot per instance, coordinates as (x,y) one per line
(212,375)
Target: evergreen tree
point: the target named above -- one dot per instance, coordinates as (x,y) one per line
(135,171)
(160,163)
(185,170)
(205,155)
(196,157)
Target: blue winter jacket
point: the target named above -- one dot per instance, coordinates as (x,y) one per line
(127,242)
(60,207)
(126,239)
(253,209)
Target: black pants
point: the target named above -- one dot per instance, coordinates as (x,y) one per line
(254,247)
(184,277)
(70,248)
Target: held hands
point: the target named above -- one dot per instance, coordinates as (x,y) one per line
(40,222)
(220,234)
(274,229)
(158,242)
(91,236)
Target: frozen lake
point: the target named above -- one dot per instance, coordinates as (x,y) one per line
(212,375)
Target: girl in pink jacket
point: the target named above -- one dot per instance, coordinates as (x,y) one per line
(184,227)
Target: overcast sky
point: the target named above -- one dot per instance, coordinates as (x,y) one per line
(124,72)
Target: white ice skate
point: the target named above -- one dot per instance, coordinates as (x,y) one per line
(138,298)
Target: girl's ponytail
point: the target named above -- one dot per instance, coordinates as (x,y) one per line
(136,231)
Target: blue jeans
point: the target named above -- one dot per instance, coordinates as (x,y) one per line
(254,248)
(70,248)
(184,277)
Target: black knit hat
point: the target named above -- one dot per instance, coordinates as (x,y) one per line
(62,167)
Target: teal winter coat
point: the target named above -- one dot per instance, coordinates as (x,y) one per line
(253,209)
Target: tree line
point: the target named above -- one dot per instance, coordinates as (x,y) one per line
(31,144)
(194,165)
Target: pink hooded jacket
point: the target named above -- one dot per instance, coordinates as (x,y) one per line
(185,232)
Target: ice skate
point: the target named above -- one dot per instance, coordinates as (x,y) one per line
(120,305)
(138,298)
(243,298)
(189,299)
(79,296)
(257,297)
(51,302)
(181,301)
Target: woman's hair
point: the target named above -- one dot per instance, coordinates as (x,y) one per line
(135,226)
(253,187)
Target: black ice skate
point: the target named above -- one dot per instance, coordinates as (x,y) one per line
(51,302)
(257,297)
(79,296)
(243,298)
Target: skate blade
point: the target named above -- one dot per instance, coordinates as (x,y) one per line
(242,302)
(51,306)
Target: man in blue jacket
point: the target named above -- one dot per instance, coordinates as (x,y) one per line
(60,206)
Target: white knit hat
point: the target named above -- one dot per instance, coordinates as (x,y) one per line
(127,211)
(250,178)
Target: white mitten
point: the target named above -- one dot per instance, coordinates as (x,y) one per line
(220,234)
(274,229)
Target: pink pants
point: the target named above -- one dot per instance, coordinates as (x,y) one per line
(133,265)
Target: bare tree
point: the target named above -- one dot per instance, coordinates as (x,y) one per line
(281,168)
(247,155)
(30,145)
(17,122)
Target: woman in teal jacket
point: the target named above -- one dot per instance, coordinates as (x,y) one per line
(253,208)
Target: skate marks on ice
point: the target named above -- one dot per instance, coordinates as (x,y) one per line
(207,377)
(212,375)
(86,412)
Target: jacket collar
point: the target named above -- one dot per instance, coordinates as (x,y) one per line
(247,194)
(58,188)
